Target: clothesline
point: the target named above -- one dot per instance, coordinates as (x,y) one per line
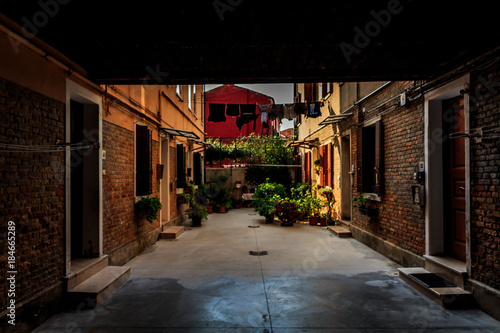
(248,112)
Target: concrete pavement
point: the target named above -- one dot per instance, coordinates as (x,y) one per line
(310,281)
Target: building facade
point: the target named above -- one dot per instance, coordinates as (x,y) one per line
(75,156)
(425,153)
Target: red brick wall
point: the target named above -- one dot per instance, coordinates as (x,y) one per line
(399,222)
(120,225)
(32,189)
(485,175)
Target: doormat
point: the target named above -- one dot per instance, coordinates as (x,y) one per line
(431,280)
(258,253)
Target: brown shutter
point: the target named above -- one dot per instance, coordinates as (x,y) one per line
(308,167)
(181,166)
(329,178)
(143,160)
(322,163)
(379,158)
(359,159)
(308,92)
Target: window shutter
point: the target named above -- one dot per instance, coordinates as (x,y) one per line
(329,173)
(308,167)
(322,163)
(379,159)
(359,159)
(181,166)
(197,168)
(142,160)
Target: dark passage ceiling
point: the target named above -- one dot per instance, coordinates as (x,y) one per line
(249,41)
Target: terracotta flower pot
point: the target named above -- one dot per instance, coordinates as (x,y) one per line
(313,220)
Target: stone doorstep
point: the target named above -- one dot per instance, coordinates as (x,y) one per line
(448,268)
(340,231)
(84,268)
(448,297)
(172,232)
(99,286)
(345,223)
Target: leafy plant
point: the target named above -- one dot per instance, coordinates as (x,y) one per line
(327,192)
(267,196)
(360,201)
(148,208)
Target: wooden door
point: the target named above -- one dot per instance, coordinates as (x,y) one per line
(454,176)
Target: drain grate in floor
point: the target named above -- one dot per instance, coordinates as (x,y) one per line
(431,280)
(254,226)
(258,253)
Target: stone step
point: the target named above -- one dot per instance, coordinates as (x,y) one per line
(100,286)
(172,232)
(344,223)
(84,268)
(448,268)
(340,231)
(440,290)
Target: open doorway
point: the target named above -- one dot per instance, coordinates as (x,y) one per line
(84,181)
(83,175)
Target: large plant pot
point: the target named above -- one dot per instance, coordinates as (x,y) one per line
(196,221)
(222,209)
(209,209)
(270,218)
(322,222)
(313,220)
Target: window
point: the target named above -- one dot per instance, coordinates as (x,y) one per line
(190,97)
(143,161)
(370,158)
(198,169)
(320,91)
(181,166)
(178,91)
(194,99)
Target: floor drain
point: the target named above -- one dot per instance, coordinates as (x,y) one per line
(258,253)
(254,226)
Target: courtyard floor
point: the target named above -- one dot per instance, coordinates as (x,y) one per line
(309,281)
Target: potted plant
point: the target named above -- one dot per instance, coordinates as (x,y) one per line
(315,204)
(361,201)
(198,203)
(327,193)
(148,208)
(238,203)
(288,212)
(317,166)
(266,197)
(322,219)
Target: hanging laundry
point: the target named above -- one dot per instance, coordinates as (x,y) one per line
(278,111)
(233,110)
(300,108)
(264,119)
(247,109)
(217,112)
(289,111)
(242,120)
(265,107)
(314,109)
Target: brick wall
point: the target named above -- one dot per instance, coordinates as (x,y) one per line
(120,225)
(399,222)
(32,189)
(485,175)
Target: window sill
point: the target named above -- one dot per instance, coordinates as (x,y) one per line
(373,197)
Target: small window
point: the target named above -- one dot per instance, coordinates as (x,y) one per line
(370,159)
(190,97)
(194,99)
(143,161)
(178,91)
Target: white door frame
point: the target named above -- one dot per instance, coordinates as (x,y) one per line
(82,95)
(433,139)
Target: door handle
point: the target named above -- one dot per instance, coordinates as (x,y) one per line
(461,188)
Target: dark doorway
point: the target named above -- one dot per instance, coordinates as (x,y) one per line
(454,179)
(345,177)
(84,181)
